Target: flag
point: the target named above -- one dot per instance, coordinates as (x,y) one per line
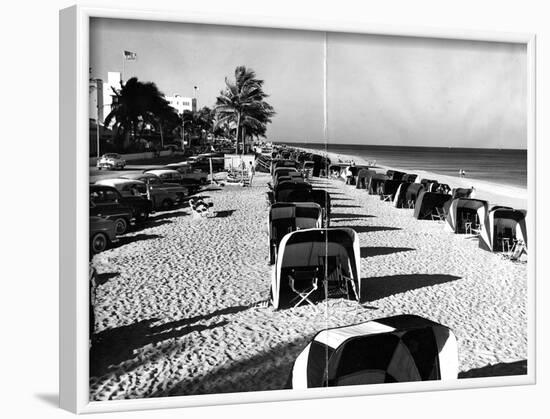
(130,56)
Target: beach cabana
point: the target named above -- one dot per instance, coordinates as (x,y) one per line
(409,178)
(461,192)
(334,170)
(395,174)
(399,200)
(282,163)
(502,228)
(282,190)
(427,202)
(388,189)
(465,214)
(411,194)
(363,177)
(312,263)
(295,195)
(401,348)
(426,183)
(374,183)
(287,217)
(322,198)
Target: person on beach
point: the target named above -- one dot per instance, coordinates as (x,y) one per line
(251,172)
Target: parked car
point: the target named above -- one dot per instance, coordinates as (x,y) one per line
(107,199)
(189,172)
(120,215)
(111,161)
(102,234)
(126,187)
(163,194)
(168,175)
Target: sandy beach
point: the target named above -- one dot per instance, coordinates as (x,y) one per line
(177,309)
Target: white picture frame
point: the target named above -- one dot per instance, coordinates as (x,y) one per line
(74,165)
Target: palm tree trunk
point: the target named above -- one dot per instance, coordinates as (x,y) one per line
(161,136)
(237,133)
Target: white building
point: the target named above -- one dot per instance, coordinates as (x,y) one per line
(180,103)
(101,95)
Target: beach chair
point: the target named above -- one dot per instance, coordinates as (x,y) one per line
(303,282)
(514,254)
(335,283)
(439,215)
(199,207)
(386,198)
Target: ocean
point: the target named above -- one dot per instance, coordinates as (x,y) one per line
(506,167)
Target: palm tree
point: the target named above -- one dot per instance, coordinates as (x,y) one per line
(243,102)
(198,121)
(136,104)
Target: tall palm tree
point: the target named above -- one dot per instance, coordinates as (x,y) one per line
(243,102)
(198,121)
(136,104)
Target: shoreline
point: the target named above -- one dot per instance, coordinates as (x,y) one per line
(494,193)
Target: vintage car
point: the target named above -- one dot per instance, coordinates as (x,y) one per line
(102,234)
(126,187)
(163,194)
(111,161)
(188,171)
(169,175)
(108,200)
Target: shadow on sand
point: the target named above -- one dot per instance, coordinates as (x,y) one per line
(113,346)
(169,215)
(346,206)
(269,370)
(370,229)
(222,214)
(149,224)
(104,277)
(376,288)
(497,370)
(345,216)
(124,240)
(379,251)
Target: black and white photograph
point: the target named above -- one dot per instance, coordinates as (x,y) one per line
(277,209)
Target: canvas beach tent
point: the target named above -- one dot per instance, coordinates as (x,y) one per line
(322,198)
(281,190)
(318,256)
(286,217)
(409,178)
(502,227)
(401,348)
(374,181)
(427,202)
(462,211)
(411,194)
(461,192)
(399,200)
(363,178)
(388,188)
(395,175)
(282,163)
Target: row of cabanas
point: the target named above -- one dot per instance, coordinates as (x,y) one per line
(498,228)
(313,262)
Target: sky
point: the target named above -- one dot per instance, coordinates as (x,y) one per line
(381,90)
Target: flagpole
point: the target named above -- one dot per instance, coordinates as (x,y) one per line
(123,60)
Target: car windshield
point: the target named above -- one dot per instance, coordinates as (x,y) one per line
(111,156)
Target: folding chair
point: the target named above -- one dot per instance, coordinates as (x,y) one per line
(386,198)
(440,214)
(200,208)
(303,282)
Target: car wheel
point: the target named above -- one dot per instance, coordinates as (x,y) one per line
(121,226)
(166,204)
(99,242)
